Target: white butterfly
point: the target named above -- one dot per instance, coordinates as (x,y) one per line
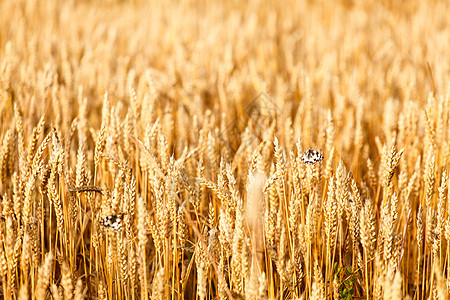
(113,222)
(311,157)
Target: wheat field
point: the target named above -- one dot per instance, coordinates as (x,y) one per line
(224,149)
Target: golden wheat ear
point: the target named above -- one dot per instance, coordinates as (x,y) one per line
(148,159)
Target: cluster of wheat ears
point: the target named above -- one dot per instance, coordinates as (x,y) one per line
(159,149)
